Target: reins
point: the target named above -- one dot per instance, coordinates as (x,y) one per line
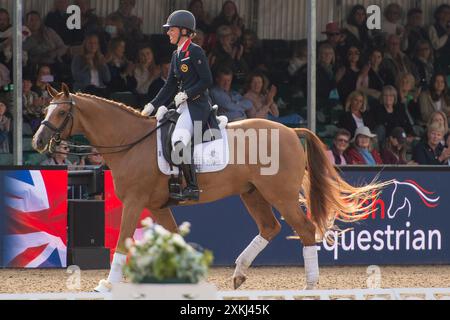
(56,138)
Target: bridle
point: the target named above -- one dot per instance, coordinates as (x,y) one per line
(57,132)
(56,137)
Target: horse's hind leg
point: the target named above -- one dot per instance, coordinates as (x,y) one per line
(269,227)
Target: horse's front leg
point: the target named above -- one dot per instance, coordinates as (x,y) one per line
(131,213)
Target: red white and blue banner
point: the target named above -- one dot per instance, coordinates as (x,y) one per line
(113,215)
(34,218)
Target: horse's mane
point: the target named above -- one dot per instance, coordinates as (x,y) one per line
(114,103)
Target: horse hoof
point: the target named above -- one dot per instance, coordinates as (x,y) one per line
(310,287)
(104,286)
(238,281)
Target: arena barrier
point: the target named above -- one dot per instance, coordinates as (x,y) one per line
(411,226)
(369,294)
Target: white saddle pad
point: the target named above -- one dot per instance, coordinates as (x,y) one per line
(209,157)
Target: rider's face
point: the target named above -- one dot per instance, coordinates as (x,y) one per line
(173,34)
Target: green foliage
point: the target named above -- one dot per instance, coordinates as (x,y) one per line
(164,257)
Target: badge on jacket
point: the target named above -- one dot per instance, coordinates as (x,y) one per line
(184,68)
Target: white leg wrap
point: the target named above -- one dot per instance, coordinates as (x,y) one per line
(116,272)
(311,265)
(245,260)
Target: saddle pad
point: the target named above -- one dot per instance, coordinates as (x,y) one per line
(209,157)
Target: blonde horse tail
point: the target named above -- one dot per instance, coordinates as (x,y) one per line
(326,195)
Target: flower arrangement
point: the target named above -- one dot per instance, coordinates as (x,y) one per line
(165,257)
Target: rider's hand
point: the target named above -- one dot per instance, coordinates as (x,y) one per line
(148,110)
(180,98)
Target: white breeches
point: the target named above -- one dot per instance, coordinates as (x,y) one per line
(184,129)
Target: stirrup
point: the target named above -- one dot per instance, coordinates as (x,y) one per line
(188,194)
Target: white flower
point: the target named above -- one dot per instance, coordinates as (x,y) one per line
(185,228)
(133,251)
(161,231)
(148,222)
(129,243)
(178,240)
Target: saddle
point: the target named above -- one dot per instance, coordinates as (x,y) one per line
(170,119)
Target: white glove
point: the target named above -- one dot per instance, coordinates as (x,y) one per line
(180,98)
(148,110)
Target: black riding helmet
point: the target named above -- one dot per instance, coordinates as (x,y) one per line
(181,19)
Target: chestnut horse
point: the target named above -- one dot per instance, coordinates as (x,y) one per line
(303,177)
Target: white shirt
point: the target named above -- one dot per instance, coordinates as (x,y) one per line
(180,47)
(359,121)
(438,105)
(95,79)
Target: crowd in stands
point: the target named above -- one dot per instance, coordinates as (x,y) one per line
(384,93)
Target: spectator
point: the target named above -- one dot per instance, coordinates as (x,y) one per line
(347,76)
(90,71)
(440,118)
(414,30)
(336,39)
(202,19)
(230,102)
(395,61)
(44,46)
(356,114)
(121,70)
(439,32)
(157,85)
(59,157)
(5,77)
(326,80)
(199,39)
(252,53)
(57,21)
(447,146)
(299,57)
(373,77)
(128,27)
(340,145)
(394,150)
(5,35)
(436,98)
(431,151)
(392,23)
(90,22)
(362,151)
(43,78)
(355,30)
(33,105)
(5,128)
(424,63)
(408,101)
(228,54)
(146,72)
(131,24)
(256,90)
(388,115)
(94,158)
(228,16)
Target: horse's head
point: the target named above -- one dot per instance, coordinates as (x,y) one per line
(58,122)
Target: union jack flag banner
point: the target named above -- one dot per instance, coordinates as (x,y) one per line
(34,219)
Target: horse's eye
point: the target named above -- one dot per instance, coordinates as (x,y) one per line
(62,113)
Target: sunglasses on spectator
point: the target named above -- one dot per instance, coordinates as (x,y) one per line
(342,140)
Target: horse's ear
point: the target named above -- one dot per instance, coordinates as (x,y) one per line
(52,91)
(65,90)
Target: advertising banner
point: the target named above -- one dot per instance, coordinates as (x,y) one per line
(33,218)
(410,226)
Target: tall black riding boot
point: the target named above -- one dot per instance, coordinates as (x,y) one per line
(191,192)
